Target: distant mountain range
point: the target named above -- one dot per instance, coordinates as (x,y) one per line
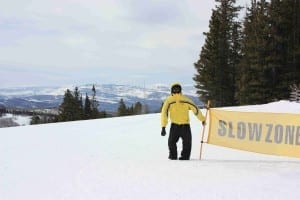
(108,96)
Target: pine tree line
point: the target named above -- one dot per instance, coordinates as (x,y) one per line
(73,108)
(135,109)
(250,61)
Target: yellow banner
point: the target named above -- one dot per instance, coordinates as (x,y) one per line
(268,133)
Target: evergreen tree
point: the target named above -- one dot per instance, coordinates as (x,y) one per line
(94,104)
(284,69)
(270,55)
(215,78)
(35,120)
(78,105)
(103,114)
(71,108)
(87,108)
(251,80)
(137,108)
(66,109)
(122,110)
(130,110)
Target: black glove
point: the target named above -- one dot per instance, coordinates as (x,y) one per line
(163,131)
(203,123)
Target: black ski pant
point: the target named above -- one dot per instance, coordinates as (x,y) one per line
(176,132)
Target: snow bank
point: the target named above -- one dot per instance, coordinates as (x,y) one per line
(274,107)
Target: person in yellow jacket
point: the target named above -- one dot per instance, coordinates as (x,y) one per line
(177,107)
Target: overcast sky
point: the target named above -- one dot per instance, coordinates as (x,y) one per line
(137,42)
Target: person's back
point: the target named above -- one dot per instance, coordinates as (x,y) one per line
(178,107)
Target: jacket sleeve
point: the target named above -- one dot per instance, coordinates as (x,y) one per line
(164,113)
(196,111)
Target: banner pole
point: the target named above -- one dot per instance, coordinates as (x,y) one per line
(203,130)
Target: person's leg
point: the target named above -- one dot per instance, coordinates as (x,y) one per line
(186,136)
(173,139)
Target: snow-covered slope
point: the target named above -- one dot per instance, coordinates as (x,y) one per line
(125,158)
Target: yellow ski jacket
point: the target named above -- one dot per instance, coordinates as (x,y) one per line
(178,107)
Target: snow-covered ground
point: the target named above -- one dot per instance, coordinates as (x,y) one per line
(125,158)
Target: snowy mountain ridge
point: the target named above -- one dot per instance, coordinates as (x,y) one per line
(108,95)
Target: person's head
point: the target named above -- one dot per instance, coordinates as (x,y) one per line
(176,88)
